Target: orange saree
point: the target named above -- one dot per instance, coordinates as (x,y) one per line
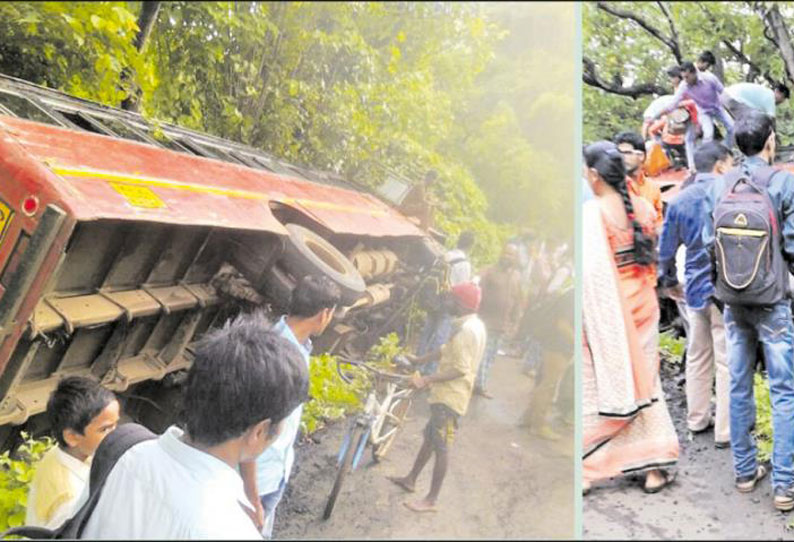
(627,427)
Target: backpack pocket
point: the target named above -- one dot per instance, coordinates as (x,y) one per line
(742,253)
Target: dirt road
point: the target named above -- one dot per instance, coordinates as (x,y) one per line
(501,483)
(701,504)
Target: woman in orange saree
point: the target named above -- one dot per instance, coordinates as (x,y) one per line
(627,427)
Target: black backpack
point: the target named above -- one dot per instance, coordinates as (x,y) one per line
(749,264)
(107,455)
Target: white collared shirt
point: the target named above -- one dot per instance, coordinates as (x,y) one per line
(166,489)
(460,271)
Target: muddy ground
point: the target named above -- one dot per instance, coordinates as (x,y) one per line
(700,504)
(501,482)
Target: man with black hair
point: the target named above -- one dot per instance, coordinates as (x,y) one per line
(740,98)
(704,89)
(632,147)
(244,381)
(312,306)
(705,61)
(686,218)
(450,392)
(81,413)
(746,326)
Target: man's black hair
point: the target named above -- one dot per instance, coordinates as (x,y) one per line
(751,132)
(312,294)
(466,240)
(783,89)
(674,71)
(242,374)
(74,403)
(708,154)
(688,66)
(708,58)
(632,138)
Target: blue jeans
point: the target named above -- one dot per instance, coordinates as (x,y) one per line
(745,327)
(269,503)
(491,349)
(435,333)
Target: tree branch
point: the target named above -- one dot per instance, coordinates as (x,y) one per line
(650,29)
(146,20)
(591,78)
(673,31)
(778,35)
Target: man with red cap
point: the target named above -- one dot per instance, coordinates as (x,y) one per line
(450,391)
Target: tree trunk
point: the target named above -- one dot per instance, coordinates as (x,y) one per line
(146,20)
(778,28)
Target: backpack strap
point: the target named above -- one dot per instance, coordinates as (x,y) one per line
(107,455)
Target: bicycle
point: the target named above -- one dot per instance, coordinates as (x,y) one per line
(378,423)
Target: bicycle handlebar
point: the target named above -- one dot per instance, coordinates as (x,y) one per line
(377,372)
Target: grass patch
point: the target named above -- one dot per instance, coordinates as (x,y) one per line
(763,417)
(671,348)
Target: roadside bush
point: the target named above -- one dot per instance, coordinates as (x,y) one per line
(331,397)
(16,473)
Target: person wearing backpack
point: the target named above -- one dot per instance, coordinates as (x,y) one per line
(244,382)
(683,225)
(752,237)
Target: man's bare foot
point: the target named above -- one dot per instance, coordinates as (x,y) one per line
(403,483)
(421,506)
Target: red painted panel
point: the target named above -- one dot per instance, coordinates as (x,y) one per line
(191,189)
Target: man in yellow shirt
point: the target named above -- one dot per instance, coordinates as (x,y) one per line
(81,413)
(450,392)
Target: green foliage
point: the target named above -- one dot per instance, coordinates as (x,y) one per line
(16,474)
(382,353)
(331,397)
(671,348)
(763,418)
(625,53)
(482,93)
(79,47)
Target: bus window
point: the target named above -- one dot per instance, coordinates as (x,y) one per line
(26,109)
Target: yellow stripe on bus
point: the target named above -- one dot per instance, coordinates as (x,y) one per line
(177,185)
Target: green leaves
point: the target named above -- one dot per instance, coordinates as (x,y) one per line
(16,473)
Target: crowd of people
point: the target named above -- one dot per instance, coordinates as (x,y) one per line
(222,470)
(734,220)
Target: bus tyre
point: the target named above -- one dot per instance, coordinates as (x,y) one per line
(306,253)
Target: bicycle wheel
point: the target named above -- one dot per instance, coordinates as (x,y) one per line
(391,426)
(342,470)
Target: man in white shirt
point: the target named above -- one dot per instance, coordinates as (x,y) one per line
(458,260)
(244,381)
(439,322)
(312,306)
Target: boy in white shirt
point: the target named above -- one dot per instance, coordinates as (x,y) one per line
(81,413)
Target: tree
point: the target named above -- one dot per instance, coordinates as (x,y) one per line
(365,89)
(629,45)
(146,20)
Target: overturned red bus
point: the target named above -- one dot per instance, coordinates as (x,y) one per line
(111,241)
